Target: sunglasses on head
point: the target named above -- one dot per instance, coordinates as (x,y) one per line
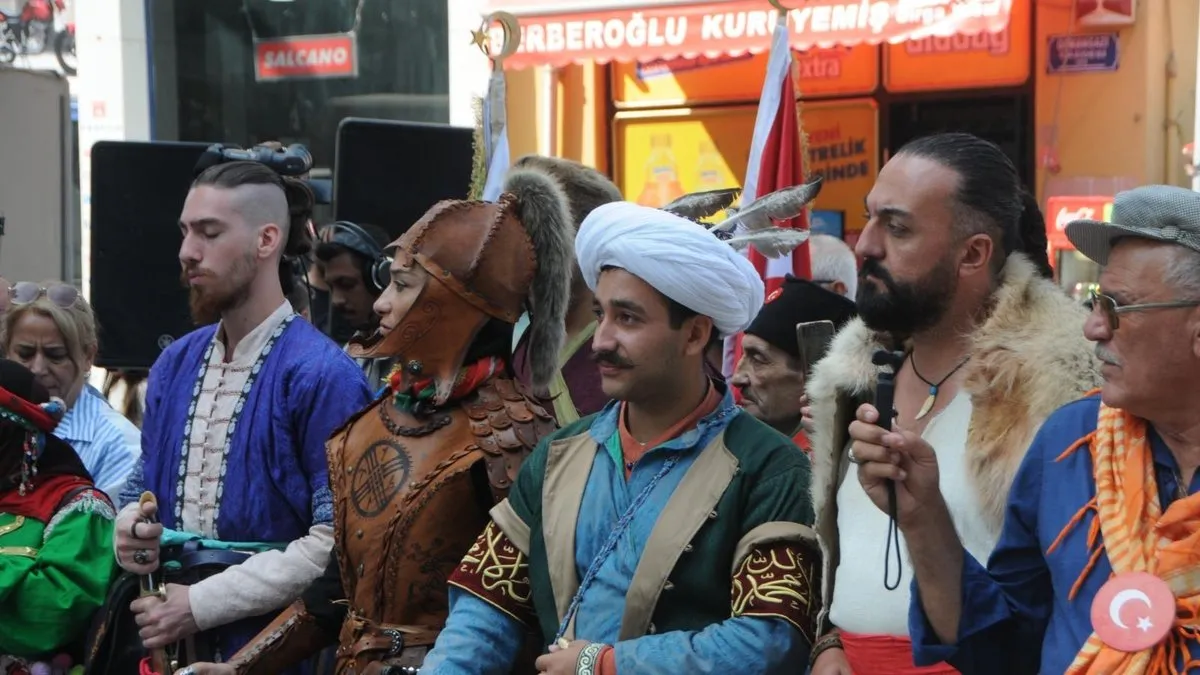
(1112,311)
(25,292)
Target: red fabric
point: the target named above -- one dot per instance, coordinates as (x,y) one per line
(650,30)
(869,654)
(608,662)
(632,450)
(802,442)
(469,379)
(30,411)
(782,166)
(41,503)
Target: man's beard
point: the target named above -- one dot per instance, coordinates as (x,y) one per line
(904,308)
(208,304)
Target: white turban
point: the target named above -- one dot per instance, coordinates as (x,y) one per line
(679,258)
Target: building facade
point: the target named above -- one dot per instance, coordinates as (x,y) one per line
(1088,97)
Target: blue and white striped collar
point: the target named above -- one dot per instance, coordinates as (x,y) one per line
(84,418)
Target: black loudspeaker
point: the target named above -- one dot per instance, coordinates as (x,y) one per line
(138,190)
(389,173)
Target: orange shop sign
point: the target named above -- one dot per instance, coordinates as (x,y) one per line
(666,29)
(836,71)
(963,61)
(306,56)
(1062,210)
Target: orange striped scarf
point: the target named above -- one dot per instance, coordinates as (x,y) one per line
(1138,537)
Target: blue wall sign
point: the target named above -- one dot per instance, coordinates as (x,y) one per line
(1083,53)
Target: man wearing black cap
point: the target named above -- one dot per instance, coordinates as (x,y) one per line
(771,373)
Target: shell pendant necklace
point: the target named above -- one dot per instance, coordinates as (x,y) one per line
(934,387)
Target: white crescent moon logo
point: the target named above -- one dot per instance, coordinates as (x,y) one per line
(1123,598)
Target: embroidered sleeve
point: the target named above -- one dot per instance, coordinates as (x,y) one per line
(496,568)
(776,573)
(88,501)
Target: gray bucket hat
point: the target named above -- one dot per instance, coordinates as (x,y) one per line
(1159,212)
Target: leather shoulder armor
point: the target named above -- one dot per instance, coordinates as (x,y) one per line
(507,425)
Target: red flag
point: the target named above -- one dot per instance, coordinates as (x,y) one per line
(781,165)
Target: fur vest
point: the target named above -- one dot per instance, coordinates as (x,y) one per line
(1028,358)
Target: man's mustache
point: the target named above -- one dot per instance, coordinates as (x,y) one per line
(1106,356)
(872,268)
(610,358)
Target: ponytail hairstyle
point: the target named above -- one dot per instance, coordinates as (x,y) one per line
(990,197)
(1032,229)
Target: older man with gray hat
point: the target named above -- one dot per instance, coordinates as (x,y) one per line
(1098,565)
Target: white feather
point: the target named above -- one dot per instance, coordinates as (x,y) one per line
(782,204)
(773,243)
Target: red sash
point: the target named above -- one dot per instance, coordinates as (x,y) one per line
(885,655)
(45,499)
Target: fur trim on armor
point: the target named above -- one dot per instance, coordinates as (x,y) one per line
(544,211)
(1028,358)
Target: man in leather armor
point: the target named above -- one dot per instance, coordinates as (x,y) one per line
(415,474)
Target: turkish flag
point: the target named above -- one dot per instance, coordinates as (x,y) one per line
(776,162)
(782,166)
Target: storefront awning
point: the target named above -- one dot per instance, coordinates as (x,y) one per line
(560,32)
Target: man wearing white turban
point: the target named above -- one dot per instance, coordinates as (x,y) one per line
(668,533)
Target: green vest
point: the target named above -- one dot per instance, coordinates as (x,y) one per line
(749,485)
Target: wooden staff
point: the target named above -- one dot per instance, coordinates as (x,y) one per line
(151,585)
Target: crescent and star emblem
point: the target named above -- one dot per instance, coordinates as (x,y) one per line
(1133,611)
(510,30)
(1121,599)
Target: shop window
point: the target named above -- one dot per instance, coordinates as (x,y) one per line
(1006,120)
(205,87)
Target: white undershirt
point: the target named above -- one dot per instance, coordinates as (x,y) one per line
(860,603)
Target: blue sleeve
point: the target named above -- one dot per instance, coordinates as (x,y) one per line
(338,392)
(1006,607)
(151,417)
(134,486)
(478,639)
(774,646)
(119,455)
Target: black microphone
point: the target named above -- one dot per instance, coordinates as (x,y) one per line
(885,395)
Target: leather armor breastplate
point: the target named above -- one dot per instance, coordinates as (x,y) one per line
(408,502)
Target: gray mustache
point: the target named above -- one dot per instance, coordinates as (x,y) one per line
(1107,356)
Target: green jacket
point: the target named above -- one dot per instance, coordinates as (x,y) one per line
(748,489)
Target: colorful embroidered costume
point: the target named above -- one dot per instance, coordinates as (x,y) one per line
(415,473)
(692,553)
(717,572)
(55,530)
(235,451)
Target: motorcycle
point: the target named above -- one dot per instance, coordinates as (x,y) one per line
(30,31)
(64,49)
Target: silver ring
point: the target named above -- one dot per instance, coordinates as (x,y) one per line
(133,529)
(850,456)
(141,556)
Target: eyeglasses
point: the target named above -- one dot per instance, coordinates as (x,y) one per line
(1111,310)
(25,292)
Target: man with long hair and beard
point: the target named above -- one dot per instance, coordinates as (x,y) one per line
(237,415)
(955,276)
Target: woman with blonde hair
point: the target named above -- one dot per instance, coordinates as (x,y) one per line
(50,329)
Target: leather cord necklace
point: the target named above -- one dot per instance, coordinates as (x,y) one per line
(934,387)
(395,429)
